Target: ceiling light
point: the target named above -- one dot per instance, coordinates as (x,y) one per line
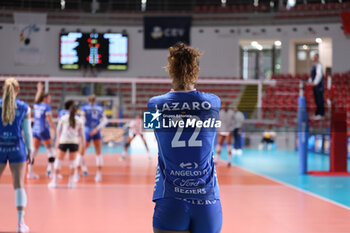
(278,43)
(318,40)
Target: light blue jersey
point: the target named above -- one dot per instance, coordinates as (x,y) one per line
(93,115)
(40,122)
(185,163)
(12,146)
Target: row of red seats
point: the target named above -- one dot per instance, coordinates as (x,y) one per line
(319,6)
(229,8)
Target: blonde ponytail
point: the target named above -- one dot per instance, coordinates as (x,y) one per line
(9,101)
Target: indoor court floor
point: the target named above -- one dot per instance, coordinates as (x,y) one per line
(260,193)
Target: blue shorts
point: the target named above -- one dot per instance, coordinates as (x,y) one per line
(197,216)
(88,137)
(13,154)
(43,135)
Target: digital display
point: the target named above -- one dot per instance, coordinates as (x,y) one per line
(101,50)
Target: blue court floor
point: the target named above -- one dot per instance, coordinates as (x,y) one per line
(282,166)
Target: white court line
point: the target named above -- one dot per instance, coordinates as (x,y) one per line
(295,188)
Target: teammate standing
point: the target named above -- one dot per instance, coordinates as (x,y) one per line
(65,111)
(70,132)
(15,118)
(41,129)
(186,190)
(135,128)
(95,120)
(238,118)
(225,132)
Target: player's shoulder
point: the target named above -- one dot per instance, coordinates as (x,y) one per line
(86,106)
(100,108)
(79,120)
(210,97)
(158,99)
(47,106)
(65,117)
(21,104)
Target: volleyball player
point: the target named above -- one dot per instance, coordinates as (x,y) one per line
(15,118)
(95,119)
(186,192)
(225,132)
(65,111)
(41,129)
(135,128)
(70,132)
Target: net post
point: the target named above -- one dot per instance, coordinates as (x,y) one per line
(259,98)
(46,86)
(303,130)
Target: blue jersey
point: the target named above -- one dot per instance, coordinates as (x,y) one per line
(185,162)
(40,122)
(11,134)
(93,115)
(62,112)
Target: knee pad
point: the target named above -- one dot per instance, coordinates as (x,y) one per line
(57,165)
(51,159)
(20,197)
(99,160)
(229,148)
(50,152)
(218,147)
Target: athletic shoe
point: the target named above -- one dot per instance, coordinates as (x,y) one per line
(229,164)
(59,176)
(234,151)
(85,173)
(22,227)
(53,184)
(239,152)
(32,176)
(71,183)
(122,158)
(98,177)
(317,117)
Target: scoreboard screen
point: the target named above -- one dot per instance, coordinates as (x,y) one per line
(101,50)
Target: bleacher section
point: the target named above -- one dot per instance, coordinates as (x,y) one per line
(57,91)
(228,93)
(280,102)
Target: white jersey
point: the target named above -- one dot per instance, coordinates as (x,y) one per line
(227,120)
(238,119)
(68,135)
(136,126)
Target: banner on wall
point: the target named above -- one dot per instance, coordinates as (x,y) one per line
(345,17)
(30,38)
(162,32)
